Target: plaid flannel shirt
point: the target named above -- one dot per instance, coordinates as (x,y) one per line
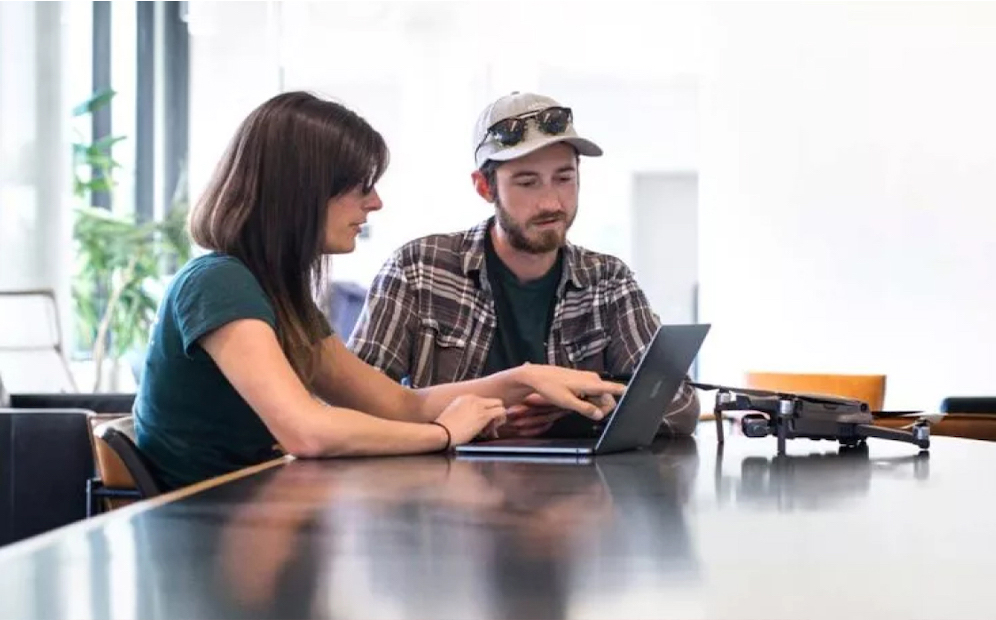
(429,317)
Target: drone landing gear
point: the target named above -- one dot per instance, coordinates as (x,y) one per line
(755,425)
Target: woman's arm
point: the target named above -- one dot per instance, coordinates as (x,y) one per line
(345,380)
(248,354)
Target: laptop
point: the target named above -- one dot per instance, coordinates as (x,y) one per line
(634,423)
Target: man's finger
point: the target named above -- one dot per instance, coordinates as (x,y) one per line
(536,420)
(537,400)
(585,408)
(605,402)
(551,416)
(522,411)
(532,432)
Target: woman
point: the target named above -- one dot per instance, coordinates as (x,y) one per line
(242,363)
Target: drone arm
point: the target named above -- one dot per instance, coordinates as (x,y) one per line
(920,435)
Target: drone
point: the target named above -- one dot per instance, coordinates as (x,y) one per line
(789,415)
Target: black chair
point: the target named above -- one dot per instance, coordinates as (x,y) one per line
(969,404)
(139,481)
(98,402)
(45,459)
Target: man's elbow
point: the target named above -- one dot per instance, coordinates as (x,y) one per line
(682,421)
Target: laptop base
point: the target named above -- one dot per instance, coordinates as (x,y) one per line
(529,446)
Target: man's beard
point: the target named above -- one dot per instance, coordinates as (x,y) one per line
(546,241)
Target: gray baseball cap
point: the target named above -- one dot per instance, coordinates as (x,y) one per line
(519,104)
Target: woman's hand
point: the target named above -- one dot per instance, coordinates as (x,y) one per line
(576,390)
(467,416)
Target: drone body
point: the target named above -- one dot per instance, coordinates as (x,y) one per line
(810,416)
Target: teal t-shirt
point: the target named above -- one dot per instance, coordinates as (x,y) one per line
(189,420)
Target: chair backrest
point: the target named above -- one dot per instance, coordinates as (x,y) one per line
(32,353)
(45,461)
(119,435)
(866,388)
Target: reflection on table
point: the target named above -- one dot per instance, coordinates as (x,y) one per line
(633,535)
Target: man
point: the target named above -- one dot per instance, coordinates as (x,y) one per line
(513,290)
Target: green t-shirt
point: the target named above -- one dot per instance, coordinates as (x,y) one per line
(189,420)
(524,311)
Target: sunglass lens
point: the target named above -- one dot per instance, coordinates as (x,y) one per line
(554,120)
(509,131)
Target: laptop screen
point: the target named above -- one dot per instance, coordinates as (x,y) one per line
(655,383)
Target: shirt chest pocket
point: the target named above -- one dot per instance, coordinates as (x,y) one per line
(586,350)
(441,353)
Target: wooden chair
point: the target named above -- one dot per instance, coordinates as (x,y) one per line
(124,474)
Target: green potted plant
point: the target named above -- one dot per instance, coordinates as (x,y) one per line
(121,263)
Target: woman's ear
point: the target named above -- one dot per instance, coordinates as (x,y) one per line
(481,185)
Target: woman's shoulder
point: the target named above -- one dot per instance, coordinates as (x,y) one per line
(213,289)
(213,263)
(214,269)
(215,276)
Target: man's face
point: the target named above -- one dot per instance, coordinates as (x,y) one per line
(537,198)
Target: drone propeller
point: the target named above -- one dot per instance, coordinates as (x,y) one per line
(770,393)
(895,414)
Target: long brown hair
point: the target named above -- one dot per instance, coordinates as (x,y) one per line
(267,204)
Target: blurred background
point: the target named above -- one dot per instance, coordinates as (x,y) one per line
(815,179)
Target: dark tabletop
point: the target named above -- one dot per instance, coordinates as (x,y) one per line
(679,531)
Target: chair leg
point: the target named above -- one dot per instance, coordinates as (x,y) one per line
(91,498)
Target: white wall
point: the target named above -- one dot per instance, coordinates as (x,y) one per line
(234,66)
(847,193)
(645,123)
(420,72)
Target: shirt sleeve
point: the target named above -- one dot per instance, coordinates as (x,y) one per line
(383,335)
(215,294)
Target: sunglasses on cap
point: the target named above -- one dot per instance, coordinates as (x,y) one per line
(511,131)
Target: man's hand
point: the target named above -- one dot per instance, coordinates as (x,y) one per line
(530,420)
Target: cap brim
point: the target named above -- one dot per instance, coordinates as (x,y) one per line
(584,147)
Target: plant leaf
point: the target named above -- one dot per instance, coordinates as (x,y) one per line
(95,102)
